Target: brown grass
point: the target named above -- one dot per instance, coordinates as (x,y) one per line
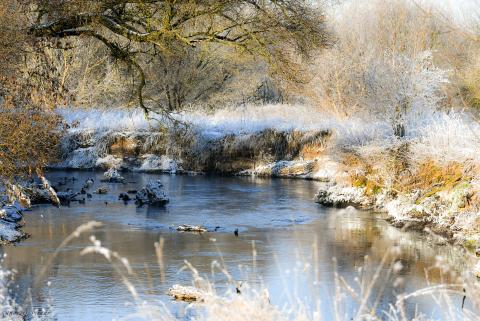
(404,176)
(363,174)
(432,175)
(312,151)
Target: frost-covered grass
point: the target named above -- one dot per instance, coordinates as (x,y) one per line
(282,117)
(440,135)
(239,120)
(105,119)
(446,137)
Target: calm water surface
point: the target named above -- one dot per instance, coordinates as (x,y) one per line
(294,239)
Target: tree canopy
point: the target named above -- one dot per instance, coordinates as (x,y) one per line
(280,32)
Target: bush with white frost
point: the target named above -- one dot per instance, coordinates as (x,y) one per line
(398,87)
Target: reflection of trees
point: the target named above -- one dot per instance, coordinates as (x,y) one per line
(357,234)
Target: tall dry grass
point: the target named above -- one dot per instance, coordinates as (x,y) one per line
(350,300)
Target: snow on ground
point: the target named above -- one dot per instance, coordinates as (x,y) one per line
(442,135)
(239,120)
(106,119)
(445,136)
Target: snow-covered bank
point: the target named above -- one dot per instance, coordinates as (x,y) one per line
(246,140)
(228,141)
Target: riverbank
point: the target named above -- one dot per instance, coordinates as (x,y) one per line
(429,178)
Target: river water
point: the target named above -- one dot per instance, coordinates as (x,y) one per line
(294,241)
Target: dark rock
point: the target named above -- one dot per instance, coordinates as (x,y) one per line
(67,197)
(10,217)
(152,194)
(124,197)
(112,176)
(38,194)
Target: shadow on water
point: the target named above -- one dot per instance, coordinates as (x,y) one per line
(277,217)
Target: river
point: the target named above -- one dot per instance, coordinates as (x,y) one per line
(293,238)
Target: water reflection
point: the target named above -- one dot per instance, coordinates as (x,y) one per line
(294,238)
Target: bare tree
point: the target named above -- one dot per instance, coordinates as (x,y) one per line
(280,32)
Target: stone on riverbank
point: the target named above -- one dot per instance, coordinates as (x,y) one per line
(152,194)
(16,193)
(338,196)
(10,213)
(186,293)
(10,216)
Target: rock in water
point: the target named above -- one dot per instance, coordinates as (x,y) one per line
(152,194)
(191,228)
(124,197)
(53,195)
(38,194)
(113,176)
(66,197)
(42,193)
